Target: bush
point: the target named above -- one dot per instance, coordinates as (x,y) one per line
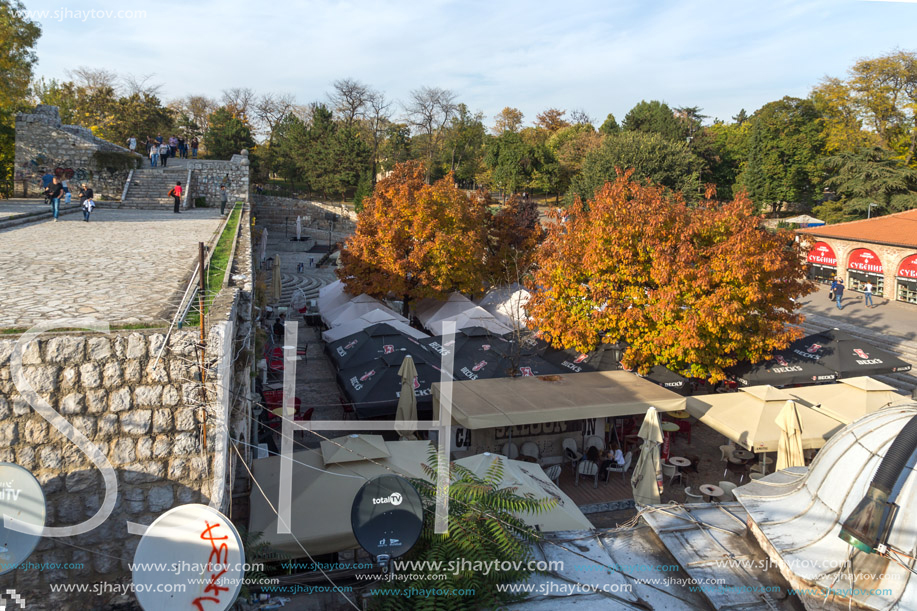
(201,202)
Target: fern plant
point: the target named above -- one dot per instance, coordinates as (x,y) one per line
(484,526)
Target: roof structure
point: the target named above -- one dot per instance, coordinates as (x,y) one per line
(899,229)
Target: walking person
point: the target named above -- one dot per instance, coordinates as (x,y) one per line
(132,144)
(65,183)
(839,293)
(194,144)
(88,206)
(85,193)
(163,153)
(175,193)
(224,198)
(867,294)
(55,191)
(154,155)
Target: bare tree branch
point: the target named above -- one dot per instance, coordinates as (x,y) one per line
(350,98)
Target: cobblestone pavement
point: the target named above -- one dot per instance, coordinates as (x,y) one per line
(124,266)
(12,208)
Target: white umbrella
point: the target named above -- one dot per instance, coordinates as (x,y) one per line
(276,282)
(407,401)
(263,248)
(298,228)
(647,477)
(789,448)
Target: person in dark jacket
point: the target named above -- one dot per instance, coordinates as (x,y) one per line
(55,192)
(839,293)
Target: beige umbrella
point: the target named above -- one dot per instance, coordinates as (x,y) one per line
(647,477)
(407,401)
(354,447)
(789,448)
(529,478)
(850,399)
(276,284)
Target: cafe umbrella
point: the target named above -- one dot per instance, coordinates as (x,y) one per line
(846,355)
(783,368)
(374,387)
(607,357)
(371,343)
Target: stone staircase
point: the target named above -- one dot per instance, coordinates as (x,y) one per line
(149,187)
(290,283)
(904,349)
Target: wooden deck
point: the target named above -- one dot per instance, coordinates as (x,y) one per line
(616,494)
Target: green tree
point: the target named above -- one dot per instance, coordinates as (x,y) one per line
(610,126)
(511,162)
(484,526)
(721,146)
(785,142)
(226,135)
(18,36)
(139,115)
(396,147)
(568,148)
(289,138)
(464,145)
(656,117)
(864,177)
(653,157)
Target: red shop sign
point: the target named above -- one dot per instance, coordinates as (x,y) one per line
(865,260)
(908,268)
(822,254)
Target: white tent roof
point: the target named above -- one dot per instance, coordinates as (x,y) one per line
(369,319)
(332,296)
(429,309)
(475,316)
(849,399)
(353,309)
(507,304)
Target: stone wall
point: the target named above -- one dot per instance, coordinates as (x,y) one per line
(147,420)
(207,176)
(44,145)
(279,214)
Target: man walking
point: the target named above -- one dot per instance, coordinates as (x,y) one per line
(224,198)
(839,293)
(55,191)
(867,293)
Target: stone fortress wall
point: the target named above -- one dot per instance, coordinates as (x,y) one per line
(43,145)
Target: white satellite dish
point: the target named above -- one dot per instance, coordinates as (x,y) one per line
(193,546)
(22,504)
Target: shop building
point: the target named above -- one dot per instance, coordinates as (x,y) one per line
(882,251)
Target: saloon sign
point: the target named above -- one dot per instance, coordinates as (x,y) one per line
(864,260)
(822,254)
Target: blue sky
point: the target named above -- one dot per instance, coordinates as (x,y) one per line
(601,56)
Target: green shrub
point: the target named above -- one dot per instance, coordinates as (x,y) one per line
(201,202)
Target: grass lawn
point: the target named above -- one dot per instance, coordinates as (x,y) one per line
(218,263)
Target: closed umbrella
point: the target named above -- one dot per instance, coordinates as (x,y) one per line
(647,478)
(298,228)
(789,448)
(276,284)
(407,402)
(262,250)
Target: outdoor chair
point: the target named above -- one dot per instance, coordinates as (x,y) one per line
(530,448)
(628,459)
(553,472)
(727,487)
(347,408)
(671,472)
(571,453)
(510,450)
(693,497)
(755,476)
(594,441)
(587,468)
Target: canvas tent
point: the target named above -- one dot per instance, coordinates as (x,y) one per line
(332,296)
(373,317)
(322,496)
(355,308)
(507,304)
(428,309)
(849,399)
(749,418)
(481,404)
(372,343)
(474,316)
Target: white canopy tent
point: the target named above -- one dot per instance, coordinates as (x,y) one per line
(355,308)
(332,296)
(430,309)
(507,304)
(369,319)
(475,316)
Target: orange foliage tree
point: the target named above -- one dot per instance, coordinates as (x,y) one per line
(415,240)
(512,240)
(693,288)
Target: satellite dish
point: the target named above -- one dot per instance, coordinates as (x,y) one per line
(22,504)
(387,516)
(194,546)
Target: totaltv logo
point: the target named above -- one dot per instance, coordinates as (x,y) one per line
(6,602)
(394,499)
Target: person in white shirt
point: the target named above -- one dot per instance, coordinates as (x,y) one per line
(867,293)
(132,144)
(163,154)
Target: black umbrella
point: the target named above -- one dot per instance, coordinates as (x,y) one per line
(846,355)
(374,387)
(784,368)
(607,358)
(477,354)
(371,343)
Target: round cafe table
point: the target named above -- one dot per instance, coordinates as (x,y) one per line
(709,490)
(680,414)
(669,427)
(743,454)
(679,461)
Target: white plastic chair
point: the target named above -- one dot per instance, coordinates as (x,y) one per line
(553,472)
(571,453)
(727,487)
(587,468)
(510,450)
(671,472)
(530,448)
(594,441)
(628,459)
(691,497)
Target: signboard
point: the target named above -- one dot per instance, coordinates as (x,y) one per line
(822,254)
(387,516)
(534,429)
(908,268)
(865,260)
(462,438)
(22,502)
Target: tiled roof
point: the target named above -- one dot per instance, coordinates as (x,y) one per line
(899,229)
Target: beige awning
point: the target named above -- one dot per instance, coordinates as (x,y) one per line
(354,447)
(482,404)
(849,399)
(322,496)
(749,417)
(529,478)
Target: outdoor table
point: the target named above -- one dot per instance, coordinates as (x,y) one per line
(743,454)
(680,414)
(710,491)
(765,460)
(669,427)
(679,461)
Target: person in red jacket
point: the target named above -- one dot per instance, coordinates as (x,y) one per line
(175,193)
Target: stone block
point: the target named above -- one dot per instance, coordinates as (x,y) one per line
(136,346)
(136,422)
(132,371)
(187,495)
(85,424)
(36,431)
(5,409)
(7,455)
(145,472)
(78,481)
(21,407)
(96,401)
(162,420)
(122,451)
(90,376)
(178,469)
(9,433)
(185,419)
(112,374)
(65,349)
(170,396)
(119,346)
(31,353)
(73,457)
(108,426)
(185,444)
(144,448)
(72,404)
(120,400)
(162,446)
(25,457)
(158,374)
(98,348)
(148,395)
(69,378)
(156,342)
(50,457)
(160,498)
(42,378)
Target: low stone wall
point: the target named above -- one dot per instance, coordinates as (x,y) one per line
(271,209)
(148,421)
(208,176)
(44,145)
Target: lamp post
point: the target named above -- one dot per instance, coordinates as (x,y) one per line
(869,210)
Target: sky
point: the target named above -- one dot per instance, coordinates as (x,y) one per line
(601,56)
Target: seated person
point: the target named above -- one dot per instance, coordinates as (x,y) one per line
(592,454)
(613,457)
(278,326)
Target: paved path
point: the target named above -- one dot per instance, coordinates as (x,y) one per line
(13,208)
(887,318)
(124,266)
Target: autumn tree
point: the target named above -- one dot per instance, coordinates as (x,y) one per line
(415,240)
(693,288)
(509,120)
(513,235)
(551,120)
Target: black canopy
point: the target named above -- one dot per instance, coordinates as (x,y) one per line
(846,355)
(375,386)
(607,358)
(371,343)
(784,368)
